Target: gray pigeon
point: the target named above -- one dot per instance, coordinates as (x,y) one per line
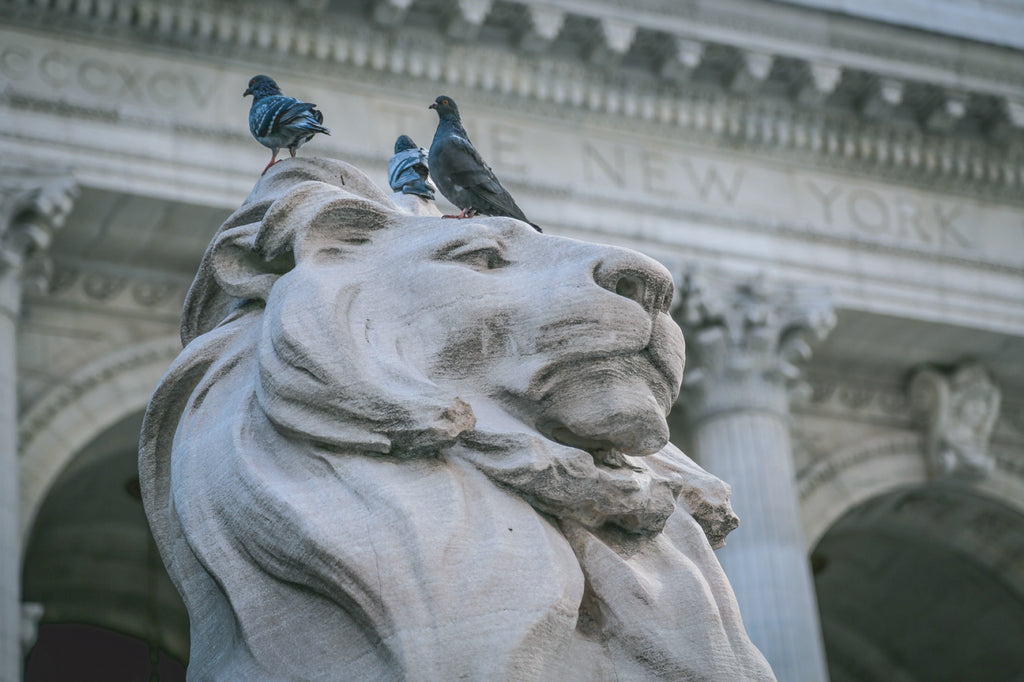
(407,170)
(278,121)
(461,174)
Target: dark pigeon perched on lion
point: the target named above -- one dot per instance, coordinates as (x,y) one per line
(355,471)
(461,173)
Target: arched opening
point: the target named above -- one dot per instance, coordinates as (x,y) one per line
(923,584)
(109,606)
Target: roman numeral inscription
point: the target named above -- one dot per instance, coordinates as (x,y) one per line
(114,81)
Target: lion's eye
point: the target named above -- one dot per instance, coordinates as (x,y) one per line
(481,256)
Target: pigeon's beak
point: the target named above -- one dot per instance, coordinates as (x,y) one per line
(433,105)
(248,91)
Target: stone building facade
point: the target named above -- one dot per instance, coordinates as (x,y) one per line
(840,193)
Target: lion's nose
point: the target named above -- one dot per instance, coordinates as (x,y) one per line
(637,278)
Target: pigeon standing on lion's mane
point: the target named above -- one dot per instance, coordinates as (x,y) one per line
(408,170)
(277,120)
(461,174)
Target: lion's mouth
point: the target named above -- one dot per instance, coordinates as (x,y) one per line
(611,404)
(604,452)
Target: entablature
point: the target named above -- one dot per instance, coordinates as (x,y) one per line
(921,108)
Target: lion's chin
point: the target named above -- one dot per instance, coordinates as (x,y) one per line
(605,411)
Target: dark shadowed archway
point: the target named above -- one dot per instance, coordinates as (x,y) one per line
(109,606)
(923,584)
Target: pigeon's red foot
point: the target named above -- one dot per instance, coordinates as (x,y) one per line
(466,213)
(273,160)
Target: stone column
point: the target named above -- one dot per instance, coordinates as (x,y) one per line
(743,341)
(32,206)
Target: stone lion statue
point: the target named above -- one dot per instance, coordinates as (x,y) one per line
(400,447)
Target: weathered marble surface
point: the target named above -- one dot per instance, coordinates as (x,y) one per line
(393,447)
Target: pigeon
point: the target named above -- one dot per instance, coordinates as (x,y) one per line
(407,170)
(276,120)
(461,174)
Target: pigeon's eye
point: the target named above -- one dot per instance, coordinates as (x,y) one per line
(477,254)
(444,102)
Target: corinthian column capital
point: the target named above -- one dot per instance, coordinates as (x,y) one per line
(33,205)
(745,341)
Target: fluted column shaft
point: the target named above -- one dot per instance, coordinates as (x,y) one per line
(742,345)
(10,609)
(765,558)
(32,206)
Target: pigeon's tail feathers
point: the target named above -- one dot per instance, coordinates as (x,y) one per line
(535,226)
(308,123)
(317,128)
(319,116)
(305,111)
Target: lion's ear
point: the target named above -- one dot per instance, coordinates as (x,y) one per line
(240,269)
(316,217)
(229,272)
(268,235)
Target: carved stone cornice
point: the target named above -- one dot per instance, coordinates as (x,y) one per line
(959,410)
(745,341)
(33,205)
(879,100)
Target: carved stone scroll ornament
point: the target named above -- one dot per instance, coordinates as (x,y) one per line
(959,410)
(400,447)
(33,205)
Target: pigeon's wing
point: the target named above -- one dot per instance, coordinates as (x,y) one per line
(297,110)
(467,169)
(272,115)
(265,116)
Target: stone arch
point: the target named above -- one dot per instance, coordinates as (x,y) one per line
(67,418)
(923,582)
(834,485)
(892,546)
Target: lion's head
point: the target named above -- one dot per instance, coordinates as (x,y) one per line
(414,328)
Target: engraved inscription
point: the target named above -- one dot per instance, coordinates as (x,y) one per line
(661,173)
(903,218)
(61,70)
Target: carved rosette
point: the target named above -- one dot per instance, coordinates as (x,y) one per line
(745,341)
(958,410)
(33,205)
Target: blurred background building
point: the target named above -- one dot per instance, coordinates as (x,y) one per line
(837,186)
